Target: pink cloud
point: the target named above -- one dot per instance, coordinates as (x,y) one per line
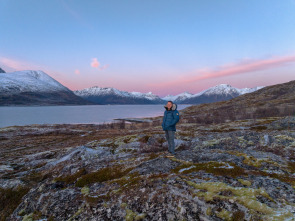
(243,67)
(96,64)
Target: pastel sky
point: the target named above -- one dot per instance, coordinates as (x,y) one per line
(162,46)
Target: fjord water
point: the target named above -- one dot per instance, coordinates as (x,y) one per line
(83,114)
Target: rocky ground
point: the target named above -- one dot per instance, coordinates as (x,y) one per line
(237,170)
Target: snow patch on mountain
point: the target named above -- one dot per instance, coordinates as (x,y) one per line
(29,81)
(100,91)
(221,89)
(249,90)
(181,96)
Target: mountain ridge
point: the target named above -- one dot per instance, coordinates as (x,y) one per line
(109,95)
(223,90)
(35,88)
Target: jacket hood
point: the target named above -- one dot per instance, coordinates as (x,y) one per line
(174,107)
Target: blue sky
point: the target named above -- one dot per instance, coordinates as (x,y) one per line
(166,47)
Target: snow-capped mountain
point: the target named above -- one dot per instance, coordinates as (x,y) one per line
(29,81)
(178,97)
(95,90)
(109,95)
(226,89)
(34,87)
(249,90)
(149,95)
(217,93)
(223,89)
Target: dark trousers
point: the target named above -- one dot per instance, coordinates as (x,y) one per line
(170,138)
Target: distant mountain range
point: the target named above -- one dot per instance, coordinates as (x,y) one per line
(38,88)
(110,95)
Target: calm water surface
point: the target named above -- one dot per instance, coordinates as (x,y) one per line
(19,116)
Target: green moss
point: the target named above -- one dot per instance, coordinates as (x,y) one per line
(85,190)
(210,143)
(249,160)
(216,168)
(104,174)
(225,215)
(242,141)
(130,215)
(245,182)
(123,205)
(80,210)
(22,212)
(283,217)
(10,199)
(213,142)
(132,180)
(209,211)
(140,216)
(36,215)
(129,180)
(71,178)
(267,120)
(258,128)
(115,142)
(244,196)
(250,142)
(125,139)
(284,137)
(281,177)
(28,217)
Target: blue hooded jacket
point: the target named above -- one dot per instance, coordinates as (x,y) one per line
(170,118)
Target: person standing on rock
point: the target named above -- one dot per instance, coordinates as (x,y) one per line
(170,119)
